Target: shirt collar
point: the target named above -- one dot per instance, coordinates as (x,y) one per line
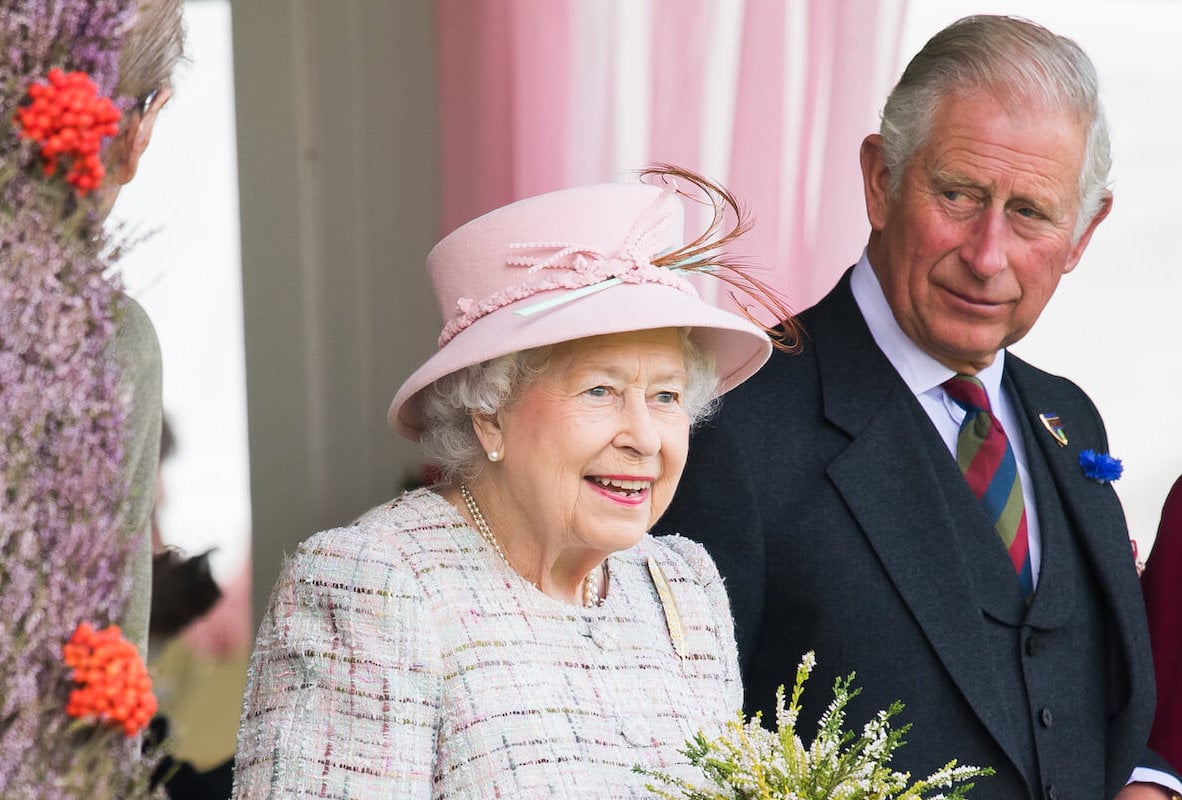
(919,371)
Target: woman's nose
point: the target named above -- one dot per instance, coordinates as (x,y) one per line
(638,429)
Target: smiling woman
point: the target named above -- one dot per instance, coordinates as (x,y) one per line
(589,456)
(449,439)
(489,635)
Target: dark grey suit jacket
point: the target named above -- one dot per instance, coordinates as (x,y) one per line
(842,525)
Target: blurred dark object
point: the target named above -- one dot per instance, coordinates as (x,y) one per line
(183,589)
(179,778)
(186,783)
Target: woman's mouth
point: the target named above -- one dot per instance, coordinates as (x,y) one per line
(629,490)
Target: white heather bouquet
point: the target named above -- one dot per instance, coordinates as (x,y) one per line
(749,762)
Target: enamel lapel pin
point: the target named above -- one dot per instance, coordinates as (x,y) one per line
(1054,426)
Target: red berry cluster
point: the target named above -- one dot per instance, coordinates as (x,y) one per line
(69,119)
(113,683)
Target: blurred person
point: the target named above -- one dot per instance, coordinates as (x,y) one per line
(184,596)
(152,50)
(183,587)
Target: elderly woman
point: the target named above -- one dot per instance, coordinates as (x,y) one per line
(513,631)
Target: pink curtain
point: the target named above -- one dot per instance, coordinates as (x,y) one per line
(503,74)
(795,158)
(535,95)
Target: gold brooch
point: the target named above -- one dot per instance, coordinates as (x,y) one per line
(672,615)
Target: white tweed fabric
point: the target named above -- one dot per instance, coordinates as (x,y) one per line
(400,658)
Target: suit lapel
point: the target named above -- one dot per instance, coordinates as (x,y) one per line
(1098,525)
(905,500)
(1093,510)
(1058,592)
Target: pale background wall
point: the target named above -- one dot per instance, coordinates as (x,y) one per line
(333,167)
(336,163)
(291,184)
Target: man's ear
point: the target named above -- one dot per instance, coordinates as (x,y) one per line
(1081,244)
(875,180)
(133,140)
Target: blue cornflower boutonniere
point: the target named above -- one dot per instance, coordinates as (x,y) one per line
(1100,466)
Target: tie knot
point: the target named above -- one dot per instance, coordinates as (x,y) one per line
(967,392)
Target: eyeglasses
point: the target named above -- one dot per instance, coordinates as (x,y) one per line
(145,103)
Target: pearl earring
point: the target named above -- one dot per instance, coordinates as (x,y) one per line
(494,455)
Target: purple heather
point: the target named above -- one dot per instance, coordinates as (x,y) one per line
(62,557)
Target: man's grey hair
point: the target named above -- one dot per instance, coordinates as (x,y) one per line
(1018,62)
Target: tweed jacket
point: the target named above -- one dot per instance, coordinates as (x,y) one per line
(400,658)
(842,525)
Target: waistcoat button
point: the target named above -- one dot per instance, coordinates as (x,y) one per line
(1031,646)
(1045,717)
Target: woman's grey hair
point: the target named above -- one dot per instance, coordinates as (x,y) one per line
(1018,62)
(152,48)
(448,438)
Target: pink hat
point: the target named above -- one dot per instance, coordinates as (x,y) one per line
(563,266)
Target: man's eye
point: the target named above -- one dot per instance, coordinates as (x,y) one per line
(667,397)
(952,194)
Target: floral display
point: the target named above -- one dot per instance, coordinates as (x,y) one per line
(113,684)
(62,413)
(750,762)
(1100,466)
(68,119)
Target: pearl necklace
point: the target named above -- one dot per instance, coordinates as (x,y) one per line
(590,583)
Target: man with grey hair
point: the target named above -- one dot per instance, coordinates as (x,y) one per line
(912,502)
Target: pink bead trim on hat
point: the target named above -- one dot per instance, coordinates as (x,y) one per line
(584,266)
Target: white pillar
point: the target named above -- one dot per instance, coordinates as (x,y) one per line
(338,190)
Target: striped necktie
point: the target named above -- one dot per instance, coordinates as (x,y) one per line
(986,458)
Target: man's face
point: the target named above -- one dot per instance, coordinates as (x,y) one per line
(973,245)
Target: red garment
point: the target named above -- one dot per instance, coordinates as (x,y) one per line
(1161,584)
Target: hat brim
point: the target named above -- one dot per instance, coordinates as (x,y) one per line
(738,346)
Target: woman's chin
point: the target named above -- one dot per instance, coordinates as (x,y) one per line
(610,535)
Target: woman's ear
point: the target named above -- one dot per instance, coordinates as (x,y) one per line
(488,432)
(133,140)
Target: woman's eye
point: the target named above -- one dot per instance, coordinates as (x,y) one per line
(598,391)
